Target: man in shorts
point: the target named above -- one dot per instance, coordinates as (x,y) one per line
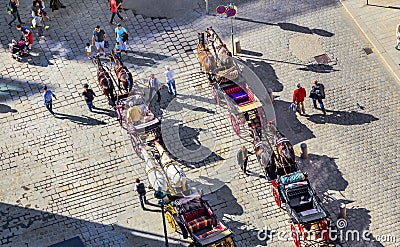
(98,38)
(27,34)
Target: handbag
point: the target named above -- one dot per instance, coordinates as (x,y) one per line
(9,10)
(106,44)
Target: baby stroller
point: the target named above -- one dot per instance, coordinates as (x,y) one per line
(18,49)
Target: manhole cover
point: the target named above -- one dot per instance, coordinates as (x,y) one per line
(367,51)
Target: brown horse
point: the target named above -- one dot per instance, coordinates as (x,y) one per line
(266,158)
(224,56)
(104,80)
(123,75)
(206,59)
(285,149)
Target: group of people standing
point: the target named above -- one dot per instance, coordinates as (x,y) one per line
(317,94)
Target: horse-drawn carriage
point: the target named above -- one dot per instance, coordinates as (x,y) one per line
(135,116)
(194,218)
(310,221)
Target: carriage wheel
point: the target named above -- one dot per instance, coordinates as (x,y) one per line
(215,93)
(295,236)
(171,221)
(235,124)
(136,146)
(276,196)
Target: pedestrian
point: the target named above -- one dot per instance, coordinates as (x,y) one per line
(56,4)
(88,95)
(48,99)
(39,5)
(37,23)
(14,4)
(398,36)
(114,10)
(242,158)
(88,50)
(98,38)
(28,35)
(118,50)
(154,85)
(169,77)
(121,35)
(317,93)
(298,97)
(140,188)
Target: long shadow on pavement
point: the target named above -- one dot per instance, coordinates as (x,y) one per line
(342,118)
(6,108)
(326,178)
(85,120)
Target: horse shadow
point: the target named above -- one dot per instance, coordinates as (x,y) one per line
(342,118)
(85,120)
(183,144)
(6,109)
(225,205)
(326,178)
(288,123)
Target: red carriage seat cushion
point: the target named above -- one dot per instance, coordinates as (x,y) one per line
(195,214)
(232,90)
(199,224)
(209,233)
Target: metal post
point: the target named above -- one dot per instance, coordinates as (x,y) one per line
(304,151)
(233,44)
(207,10)
(342,211)
(164,224)
(367,2)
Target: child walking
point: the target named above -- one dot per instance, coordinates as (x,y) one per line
(118,50)
(88,50)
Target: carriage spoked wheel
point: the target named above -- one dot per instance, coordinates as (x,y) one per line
(235,124)
(171,221)
(276,196)
(295,235)
(136,146)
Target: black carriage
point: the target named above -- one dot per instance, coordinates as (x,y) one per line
(310,221)
(194,218)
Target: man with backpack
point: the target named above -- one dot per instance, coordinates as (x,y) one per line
(140,188)
(317,93)
(88,95)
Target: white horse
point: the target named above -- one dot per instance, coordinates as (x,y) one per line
(172,169)
(154,172)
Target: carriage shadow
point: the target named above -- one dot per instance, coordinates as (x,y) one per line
(326,178)
(266,73)
(289,124)
(342,118)
(6,109)
(225,205)
(84,120)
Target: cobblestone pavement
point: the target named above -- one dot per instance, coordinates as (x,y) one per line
(74,175)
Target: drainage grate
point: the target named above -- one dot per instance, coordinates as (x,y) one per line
(367,51)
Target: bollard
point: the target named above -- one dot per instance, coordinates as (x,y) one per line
(238,49)
(304,151)
(342,211)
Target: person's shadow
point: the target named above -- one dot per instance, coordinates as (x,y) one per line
(6,108)
(342,118)
(85,120)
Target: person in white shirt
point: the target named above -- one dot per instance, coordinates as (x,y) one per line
(154,85)
(169,77)
(88,50)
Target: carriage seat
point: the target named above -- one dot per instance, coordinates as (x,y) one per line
(198,220)
(233,90)
(239,95)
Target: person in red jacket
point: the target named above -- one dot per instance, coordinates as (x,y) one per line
(298,96)
(114,6)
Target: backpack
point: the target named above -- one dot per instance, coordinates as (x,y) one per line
(124,37)
(140,189)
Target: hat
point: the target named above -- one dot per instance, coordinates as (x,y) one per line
(167,67)
(85,85)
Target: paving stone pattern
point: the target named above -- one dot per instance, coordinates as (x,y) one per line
(73,175)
